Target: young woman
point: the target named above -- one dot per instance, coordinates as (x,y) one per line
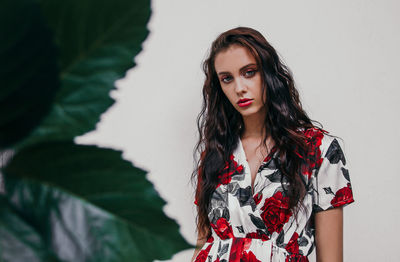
(271,185)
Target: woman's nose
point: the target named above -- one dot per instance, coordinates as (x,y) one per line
(240,85)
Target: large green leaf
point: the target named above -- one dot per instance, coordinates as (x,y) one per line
(19,241)
(28,69)
(88,204)
(97,42)
(66,202)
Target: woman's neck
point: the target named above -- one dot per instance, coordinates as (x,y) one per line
(253,126)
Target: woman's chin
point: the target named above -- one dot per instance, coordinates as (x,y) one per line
(250,112)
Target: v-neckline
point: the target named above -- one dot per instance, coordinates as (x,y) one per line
(243,154)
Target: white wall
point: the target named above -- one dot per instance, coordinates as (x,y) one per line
(345,59)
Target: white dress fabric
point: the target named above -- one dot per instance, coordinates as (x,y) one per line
(255,224)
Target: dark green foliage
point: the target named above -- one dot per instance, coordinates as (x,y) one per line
(62,201)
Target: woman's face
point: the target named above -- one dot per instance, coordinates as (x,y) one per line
(240,80)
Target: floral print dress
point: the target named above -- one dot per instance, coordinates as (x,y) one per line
(255,224)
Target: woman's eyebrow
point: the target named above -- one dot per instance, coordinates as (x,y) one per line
(241,69)
(244,67)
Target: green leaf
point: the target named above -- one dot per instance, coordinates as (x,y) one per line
(19,241)
(97,42)
(90,205)
(28,69)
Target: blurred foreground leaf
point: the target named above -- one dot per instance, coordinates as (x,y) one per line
(65,202)
(87,204)
(19,241)
(28,69)
(97,42)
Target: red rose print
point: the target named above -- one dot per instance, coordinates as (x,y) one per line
(257,236)
(296,258)
(222,228)
(293,248)
(343,196)
(293,245)
(313,159)
(257,198)
(210,239)
(239,246)
(231,168)
(203,254)
(276,212)
(249,257)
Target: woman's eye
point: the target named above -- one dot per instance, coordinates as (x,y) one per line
(226,79)
(250,73)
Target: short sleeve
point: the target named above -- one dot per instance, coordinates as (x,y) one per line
(331,182)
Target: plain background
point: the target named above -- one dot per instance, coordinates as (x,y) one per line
(345,60)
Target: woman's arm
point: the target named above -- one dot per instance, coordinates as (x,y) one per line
(329,235)
(201,240)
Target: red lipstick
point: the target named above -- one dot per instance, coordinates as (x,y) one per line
(245,102)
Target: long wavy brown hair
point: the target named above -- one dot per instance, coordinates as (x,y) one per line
(220,125)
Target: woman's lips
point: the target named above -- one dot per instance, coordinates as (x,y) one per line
(245,103)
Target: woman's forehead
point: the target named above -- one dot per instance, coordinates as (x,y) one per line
(233,58)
